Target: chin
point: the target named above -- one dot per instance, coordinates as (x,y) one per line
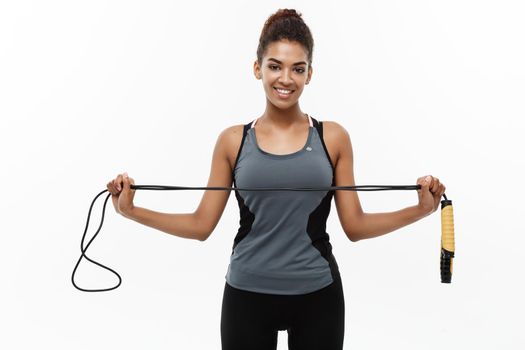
(283,104)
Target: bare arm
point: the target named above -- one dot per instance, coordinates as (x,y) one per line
(376,224)
(356,223)
(181,225)
(372,225)
(199,224)
(212,204)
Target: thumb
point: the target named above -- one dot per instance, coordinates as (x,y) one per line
(132,182)
(424,182)
(126,182)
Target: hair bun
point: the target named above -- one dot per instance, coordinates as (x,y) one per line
(288,12)
(285,24)
(283,13)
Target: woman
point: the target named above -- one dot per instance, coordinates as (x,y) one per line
(282,273)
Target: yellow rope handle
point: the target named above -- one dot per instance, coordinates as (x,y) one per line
(447,240)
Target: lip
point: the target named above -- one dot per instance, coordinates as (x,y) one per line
(283,96)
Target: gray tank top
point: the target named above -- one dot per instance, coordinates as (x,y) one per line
(282,246)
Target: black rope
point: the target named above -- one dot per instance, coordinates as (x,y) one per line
(158,187)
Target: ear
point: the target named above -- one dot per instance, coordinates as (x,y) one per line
(310,72)
(256,70)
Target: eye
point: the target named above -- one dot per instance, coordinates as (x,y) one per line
(299,70)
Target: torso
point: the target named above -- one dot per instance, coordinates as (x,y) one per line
(282,143)
(281,246)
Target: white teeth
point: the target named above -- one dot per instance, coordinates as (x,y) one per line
(284,91)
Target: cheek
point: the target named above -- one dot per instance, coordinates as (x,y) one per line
(270,76)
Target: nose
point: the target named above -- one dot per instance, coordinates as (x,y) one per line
(284,77)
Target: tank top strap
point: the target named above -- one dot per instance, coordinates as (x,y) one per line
(244,133)
(319,126)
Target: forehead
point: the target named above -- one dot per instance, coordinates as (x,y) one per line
(286,51)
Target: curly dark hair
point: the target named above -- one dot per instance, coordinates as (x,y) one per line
(285,24)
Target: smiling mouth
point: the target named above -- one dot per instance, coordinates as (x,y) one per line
(284,92)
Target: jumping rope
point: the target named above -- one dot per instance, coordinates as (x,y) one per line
(447,222)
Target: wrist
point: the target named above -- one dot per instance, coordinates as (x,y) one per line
(423,211)
(128,213)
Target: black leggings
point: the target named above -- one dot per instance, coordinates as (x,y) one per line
(314,321)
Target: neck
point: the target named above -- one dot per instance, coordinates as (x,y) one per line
(282,118)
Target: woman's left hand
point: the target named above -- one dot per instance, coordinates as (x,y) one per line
(430,194)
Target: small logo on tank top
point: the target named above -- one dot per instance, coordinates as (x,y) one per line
(308,148)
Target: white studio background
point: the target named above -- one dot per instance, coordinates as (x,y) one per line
(91,89)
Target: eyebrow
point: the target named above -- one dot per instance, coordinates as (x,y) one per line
(276,60)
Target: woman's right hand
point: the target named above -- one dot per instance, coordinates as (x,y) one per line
(121,193)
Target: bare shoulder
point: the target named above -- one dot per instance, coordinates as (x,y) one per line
(232,138)
(333,129)
(336,138)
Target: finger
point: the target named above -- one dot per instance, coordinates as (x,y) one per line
(132,182)
(442,190)
(111,187)
(432,184)
(427,182)
(420,181)
(119,182)
(114,190)
(435,185)
(108,185)
(437,193)
(126,181)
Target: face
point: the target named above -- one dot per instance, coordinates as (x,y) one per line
(284,66)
